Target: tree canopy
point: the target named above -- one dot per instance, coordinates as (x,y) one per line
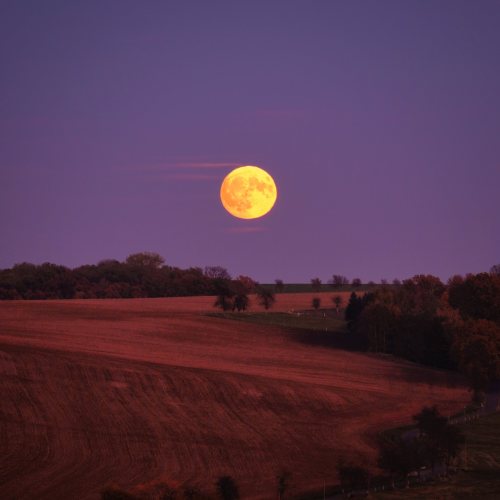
(445,326)
(140,275)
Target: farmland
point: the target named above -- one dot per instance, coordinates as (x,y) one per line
(139,391)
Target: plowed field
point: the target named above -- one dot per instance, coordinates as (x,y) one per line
(146,390)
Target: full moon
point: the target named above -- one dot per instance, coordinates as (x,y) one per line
(248,192)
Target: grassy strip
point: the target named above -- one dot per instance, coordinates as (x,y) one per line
(318,321)
(322,328)
(308,288)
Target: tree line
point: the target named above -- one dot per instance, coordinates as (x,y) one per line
(454,325)
(140,275)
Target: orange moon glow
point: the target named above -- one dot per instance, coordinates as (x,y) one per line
(248,192)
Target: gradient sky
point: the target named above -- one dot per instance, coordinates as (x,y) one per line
(379,120)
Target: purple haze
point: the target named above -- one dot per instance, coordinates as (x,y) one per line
(380,122)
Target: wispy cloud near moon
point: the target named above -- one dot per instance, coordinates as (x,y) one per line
(183,170)
(246,229)
(186,177)
(185,165)
(195,165)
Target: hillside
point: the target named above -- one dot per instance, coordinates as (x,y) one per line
(133,391)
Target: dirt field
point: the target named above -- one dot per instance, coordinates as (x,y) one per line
(136,391)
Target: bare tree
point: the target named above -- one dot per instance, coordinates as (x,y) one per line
(225,294)
(338,280)
(224,301)
(337,300)
(316,284)
(266,297)
(240,302)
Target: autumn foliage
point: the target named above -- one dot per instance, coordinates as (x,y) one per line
(453,326)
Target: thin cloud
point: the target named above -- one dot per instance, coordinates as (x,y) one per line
(184,177)
(182,170)
(195,165)
(245,229)
(185,165)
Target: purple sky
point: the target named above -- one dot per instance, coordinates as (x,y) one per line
(380,122)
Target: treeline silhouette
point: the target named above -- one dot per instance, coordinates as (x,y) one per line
(454,326)
(140,275)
